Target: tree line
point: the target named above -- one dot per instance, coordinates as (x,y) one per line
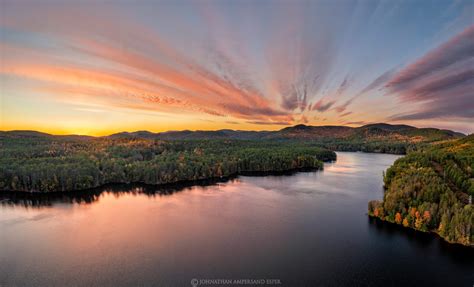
(63,164)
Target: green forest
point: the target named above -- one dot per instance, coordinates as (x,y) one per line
(49,164)
(431,190)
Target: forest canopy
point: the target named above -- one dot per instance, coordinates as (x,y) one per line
(432,190)
(47,164)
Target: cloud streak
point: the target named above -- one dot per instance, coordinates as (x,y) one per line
(441,82)
(322,106)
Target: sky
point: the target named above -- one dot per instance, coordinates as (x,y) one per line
(99,67)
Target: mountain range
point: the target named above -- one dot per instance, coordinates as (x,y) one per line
(379,131)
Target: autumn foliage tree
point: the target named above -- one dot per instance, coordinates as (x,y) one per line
(431,190)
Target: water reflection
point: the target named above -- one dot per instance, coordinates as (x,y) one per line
(429,242)
(90,196)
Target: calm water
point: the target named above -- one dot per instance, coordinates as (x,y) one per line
(307,229)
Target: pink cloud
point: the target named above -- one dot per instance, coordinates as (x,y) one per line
(441,82)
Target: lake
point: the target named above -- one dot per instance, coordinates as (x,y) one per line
(304,229)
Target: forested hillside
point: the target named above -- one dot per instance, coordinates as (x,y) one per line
(43,163)
(382,138)
(432,190)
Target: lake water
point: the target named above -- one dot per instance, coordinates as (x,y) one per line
(305,229)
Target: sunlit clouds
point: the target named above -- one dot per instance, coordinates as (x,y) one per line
(442,81)
(98,68)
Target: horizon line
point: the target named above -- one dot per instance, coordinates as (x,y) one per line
(238,130)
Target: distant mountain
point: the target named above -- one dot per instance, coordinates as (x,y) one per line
(137,134)
(314,132)
(39,135)
(389,127)
(379,131)
(404,133)
(195,135)
(371,132)
(23,134)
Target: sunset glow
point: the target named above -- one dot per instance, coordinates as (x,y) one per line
(96,69)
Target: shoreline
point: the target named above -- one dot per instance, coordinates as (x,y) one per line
(431,232)
(172,185)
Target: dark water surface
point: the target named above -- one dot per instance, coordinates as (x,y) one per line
(307,229)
